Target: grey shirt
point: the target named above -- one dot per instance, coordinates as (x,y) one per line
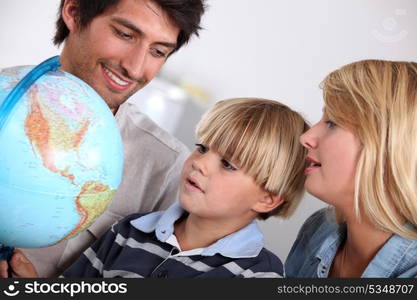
(153,162)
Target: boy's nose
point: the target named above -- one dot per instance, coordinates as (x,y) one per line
(201,164)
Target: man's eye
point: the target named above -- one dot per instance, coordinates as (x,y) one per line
(158,53)
(122,34)
(201,148)
(330,124)
(227,165)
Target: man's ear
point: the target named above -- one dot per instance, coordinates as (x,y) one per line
(268,202)
(70,15)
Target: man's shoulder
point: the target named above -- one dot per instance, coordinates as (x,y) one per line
(137,128)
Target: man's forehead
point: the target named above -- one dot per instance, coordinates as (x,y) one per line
(150,5)
(147,16)
(153,6)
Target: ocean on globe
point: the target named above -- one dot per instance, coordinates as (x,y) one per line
(61,159)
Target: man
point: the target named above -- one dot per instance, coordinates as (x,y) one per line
(117,47)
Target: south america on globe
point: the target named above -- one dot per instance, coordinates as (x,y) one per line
(61,155)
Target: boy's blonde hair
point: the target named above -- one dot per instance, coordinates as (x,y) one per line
(262,137)
(377,101)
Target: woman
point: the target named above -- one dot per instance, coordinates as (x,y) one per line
(363,163)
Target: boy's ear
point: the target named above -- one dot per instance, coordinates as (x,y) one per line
(268,202)
(70,14)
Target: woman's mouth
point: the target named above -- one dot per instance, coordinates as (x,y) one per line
(313,164)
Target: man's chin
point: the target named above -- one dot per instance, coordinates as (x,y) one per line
(114,102)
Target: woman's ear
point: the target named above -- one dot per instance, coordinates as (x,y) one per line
(268,202)
(70,14)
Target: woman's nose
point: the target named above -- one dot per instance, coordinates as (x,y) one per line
(308,139)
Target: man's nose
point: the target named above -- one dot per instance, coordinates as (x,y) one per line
(135,62)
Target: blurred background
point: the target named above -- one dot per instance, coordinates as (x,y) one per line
(277,49)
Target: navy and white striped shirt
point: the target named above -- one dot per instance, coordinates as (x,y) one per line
(141,246)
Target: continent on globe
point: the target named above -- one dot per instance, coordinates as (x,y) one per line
(49,132)
(91,203)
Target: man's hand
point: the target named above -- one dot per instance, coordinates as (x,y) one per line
(19,266)
(4,266)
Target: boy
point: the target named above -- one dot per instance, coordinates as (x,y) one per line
(249,164)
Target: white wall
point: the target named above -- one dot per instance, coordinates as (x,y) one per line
(279,49)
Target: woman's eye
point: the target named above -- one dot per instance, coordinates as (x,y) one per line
(330,124)
(201,148)
(227,165)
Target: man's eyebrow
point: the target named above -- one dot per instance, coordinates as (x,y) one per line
(134,28)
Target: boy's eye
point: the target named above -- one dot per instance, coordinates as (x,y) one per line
(227,165)
(330,124)
(201,148)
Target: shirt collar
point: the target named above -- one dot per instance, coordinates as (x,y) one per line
(328,249)
(385,262)
(246,242)
(388,260)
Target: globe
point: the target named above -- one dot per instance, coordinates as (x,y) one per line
(61,155)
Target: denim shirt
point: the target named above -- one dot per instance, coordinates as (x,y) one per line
(320,237)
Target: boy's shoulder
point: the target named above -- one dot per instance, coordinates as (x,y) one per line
(271,261)
(265,264)
(126,222)
(131,217)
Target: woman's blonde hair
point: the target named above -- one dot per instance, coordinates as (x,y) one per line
(377,101)
(261,137)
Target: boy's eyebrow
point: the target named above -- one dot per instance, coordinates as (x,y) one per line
(228,156)
(133,27)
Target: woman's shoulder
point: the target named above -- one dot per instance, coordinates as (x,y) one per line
(322,218)
(313,233)
(315,230)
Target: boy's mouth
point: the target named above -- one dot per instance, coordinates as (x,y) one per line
(193,183)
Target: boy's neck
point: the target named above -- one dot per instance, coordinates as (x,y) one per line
(193,232)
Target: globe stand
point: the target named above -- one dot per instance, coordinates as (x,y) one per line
(6,252)
(51,64)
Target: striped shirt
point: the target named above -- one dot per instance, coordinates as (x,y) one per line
(144,246)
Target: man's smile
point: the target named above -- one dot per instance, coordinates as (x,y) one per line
(114,80)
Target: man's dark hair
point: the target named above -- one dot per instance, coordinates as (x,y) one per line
(186,14)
